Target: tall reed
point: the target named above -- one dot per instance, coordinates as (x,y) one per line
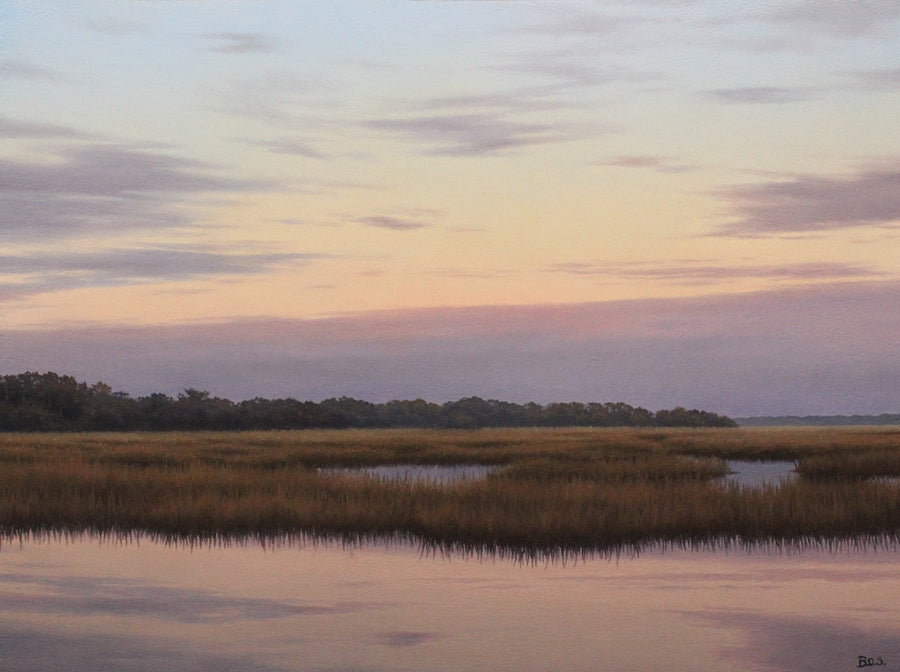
(551,489)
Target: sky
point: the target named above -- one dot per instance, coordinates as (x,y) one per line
(687,203)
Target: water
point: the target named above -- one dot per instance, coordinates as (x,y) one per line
(758,474)
(90,605)
(745,473)
(422,473)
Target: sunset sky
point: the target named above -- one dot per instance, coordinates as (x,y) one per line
(661,203)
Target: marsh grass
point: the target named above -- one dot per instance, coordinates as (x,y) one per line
(558,490)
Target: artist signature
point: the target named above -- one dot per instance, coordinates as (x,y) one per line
(864,661)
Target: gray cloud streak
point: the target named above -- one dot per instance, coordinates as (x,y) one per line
(42,273)
(392,223)
(470,134)
(844,19)
(25,70)
(99,187)
(814,203)
(885,79)
(761,95)
(704,273)
(240,43)
(660,164)
(15,129)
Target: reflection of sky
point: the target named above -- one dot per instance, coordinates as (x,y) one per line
(85,604)
(417,473)
(756,474)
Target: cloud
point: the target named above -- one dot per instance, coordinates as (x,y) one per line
(886,79)
(661,164)
(764,95)
(283,97)
(816,350)
(567,70)
(12,68)
(701,272)
(392,223)
(14,129)
(470,134)
(814,203)
(116,171)
(100,188)
(115,27)
(844,19)
(240,43)
(43,272)
(290,146)
(579,21)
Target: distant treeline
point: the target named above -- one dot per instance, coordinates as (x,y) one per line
(820,420)
(50,402)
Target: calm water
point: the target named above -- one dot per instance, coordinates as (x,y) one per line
(424,473)
(750,474)
(91,605)
(758,474)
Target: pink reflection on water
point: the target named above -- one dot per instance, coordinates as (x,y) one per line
(83,604)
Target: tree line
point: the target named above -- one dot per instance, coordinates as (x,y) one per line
(50,402)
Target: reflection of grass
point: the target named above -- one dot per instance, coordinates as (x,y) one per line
(553,489)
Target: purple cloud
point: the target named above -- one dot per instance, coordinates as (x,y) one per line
(100,188)
(469,134)
(699,272)
(40,273)
(814,203)
(764,95)
(845,19)
(392,223)
(661,164)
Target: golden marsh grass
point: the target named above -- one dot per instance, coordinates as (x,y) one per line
(550,488)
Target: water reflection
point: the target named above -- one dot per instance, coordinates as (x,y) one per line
(758,474)
(77,604)
(416,473)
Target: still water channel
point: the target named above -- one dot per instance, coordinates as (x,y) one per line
(744,473)
(89,604)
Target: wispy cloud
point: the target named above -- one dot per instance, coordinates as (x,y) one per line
(101,187)
(291,146)
(887,79)
(13,68)
(240,43)
(814,203)
(15,129)
(843,19)
(703,272)
(579,21)
(764,95)
(280,96)
(38,273)
(392,223)
(470,134)
(115,27)
(661,164)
